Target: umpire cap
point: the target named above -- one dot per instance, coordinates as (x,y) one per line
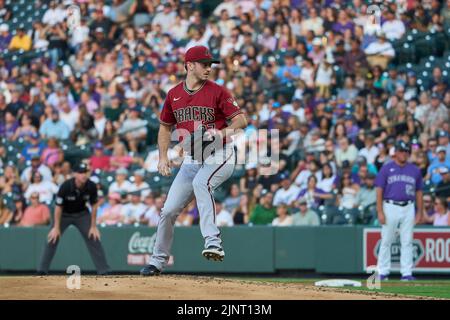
(401,145)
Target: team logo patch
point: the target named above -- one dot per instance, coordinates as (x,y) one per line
(232,101)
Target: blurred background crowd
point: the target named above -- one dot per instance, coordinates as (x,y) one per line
(341,85)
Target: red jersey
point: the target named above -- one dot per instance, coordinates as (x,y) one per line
(211,106)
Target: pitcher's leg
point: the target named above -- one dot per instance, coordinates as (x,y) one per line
(95,247)
(406,240)
(50,248)
(180,193)
(387,237)
(208,178)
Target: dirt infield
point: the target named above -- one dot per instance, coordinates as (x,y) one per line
(167,287)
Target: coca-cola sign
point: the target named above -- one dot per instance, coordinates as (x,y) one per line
(140,250)
(141,244)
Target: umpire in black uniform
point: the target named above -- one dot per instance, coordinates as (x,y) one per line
(71,209)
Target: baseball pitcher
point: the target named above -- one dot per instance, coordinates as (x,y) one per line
(198,107)
(399,194)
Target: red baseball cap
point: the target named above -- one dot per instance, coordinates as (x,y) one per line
(199,54)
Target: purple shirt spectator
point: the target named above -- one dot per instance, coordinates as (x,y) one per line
(313,202)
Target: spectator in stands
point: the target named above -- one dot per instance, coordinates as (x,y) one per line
(184,219)
(34,147)
(36,166)
(380,52)
(241,215)
(443,188)
(347,193)
(19,208)
(113,214)
(9,126)
(370,150)
(366,195)
(393,28)
(45,189)
(305,216)
(441,215)
(223,216)
(346,151)
(283,219)
(444,141)
(52,154)
(99,160)
(134,129)
(440,162)
(234,198)
(5,213)
(135,209)
(10,181)
(54,14)
(437,114)
(36,214)
(54,127)
(21,41)
(329,179)
(121,185)
(153,213)
(287,193)
(110,137)
(26,128)
(313,195)
(120,159)
(264,212)
(5,37)
(289,71)
(313,169)
(5,11)
(139,184)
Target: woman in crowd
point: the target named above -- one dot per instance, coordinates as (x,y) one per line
(45,189)
(441,215)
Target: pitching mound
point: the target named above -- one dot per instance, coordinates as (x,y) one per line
(167,287)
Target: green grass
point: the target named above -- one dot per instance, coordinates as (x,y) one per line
(420,288)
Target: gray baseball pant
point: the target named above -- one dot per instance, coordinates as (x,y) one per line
(82,222)
(199,180)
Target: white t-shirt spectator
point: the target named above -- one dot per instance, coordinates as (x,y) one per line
(144,188)
(153,216)
(302,178)
(394,29)
(80,34)
(285,223)
(46,190)
(369,154)
(125,187)
(131,126)
(224,219)
(283,196)
(54,16)
(45,172)
(70,118)
(164,20)
(133,211)
(384,49)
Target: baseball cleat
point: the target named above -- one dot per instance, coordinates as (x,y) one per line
(213,253)
(150,270)
(383,277)
(407,278)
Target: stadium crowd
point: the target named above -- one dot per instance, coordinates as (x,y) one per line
(324,73)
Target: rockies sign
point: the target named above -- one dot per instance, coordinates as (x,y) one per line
(431,249)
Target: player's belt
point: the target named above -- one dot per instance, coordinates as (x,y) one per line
(399,203)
